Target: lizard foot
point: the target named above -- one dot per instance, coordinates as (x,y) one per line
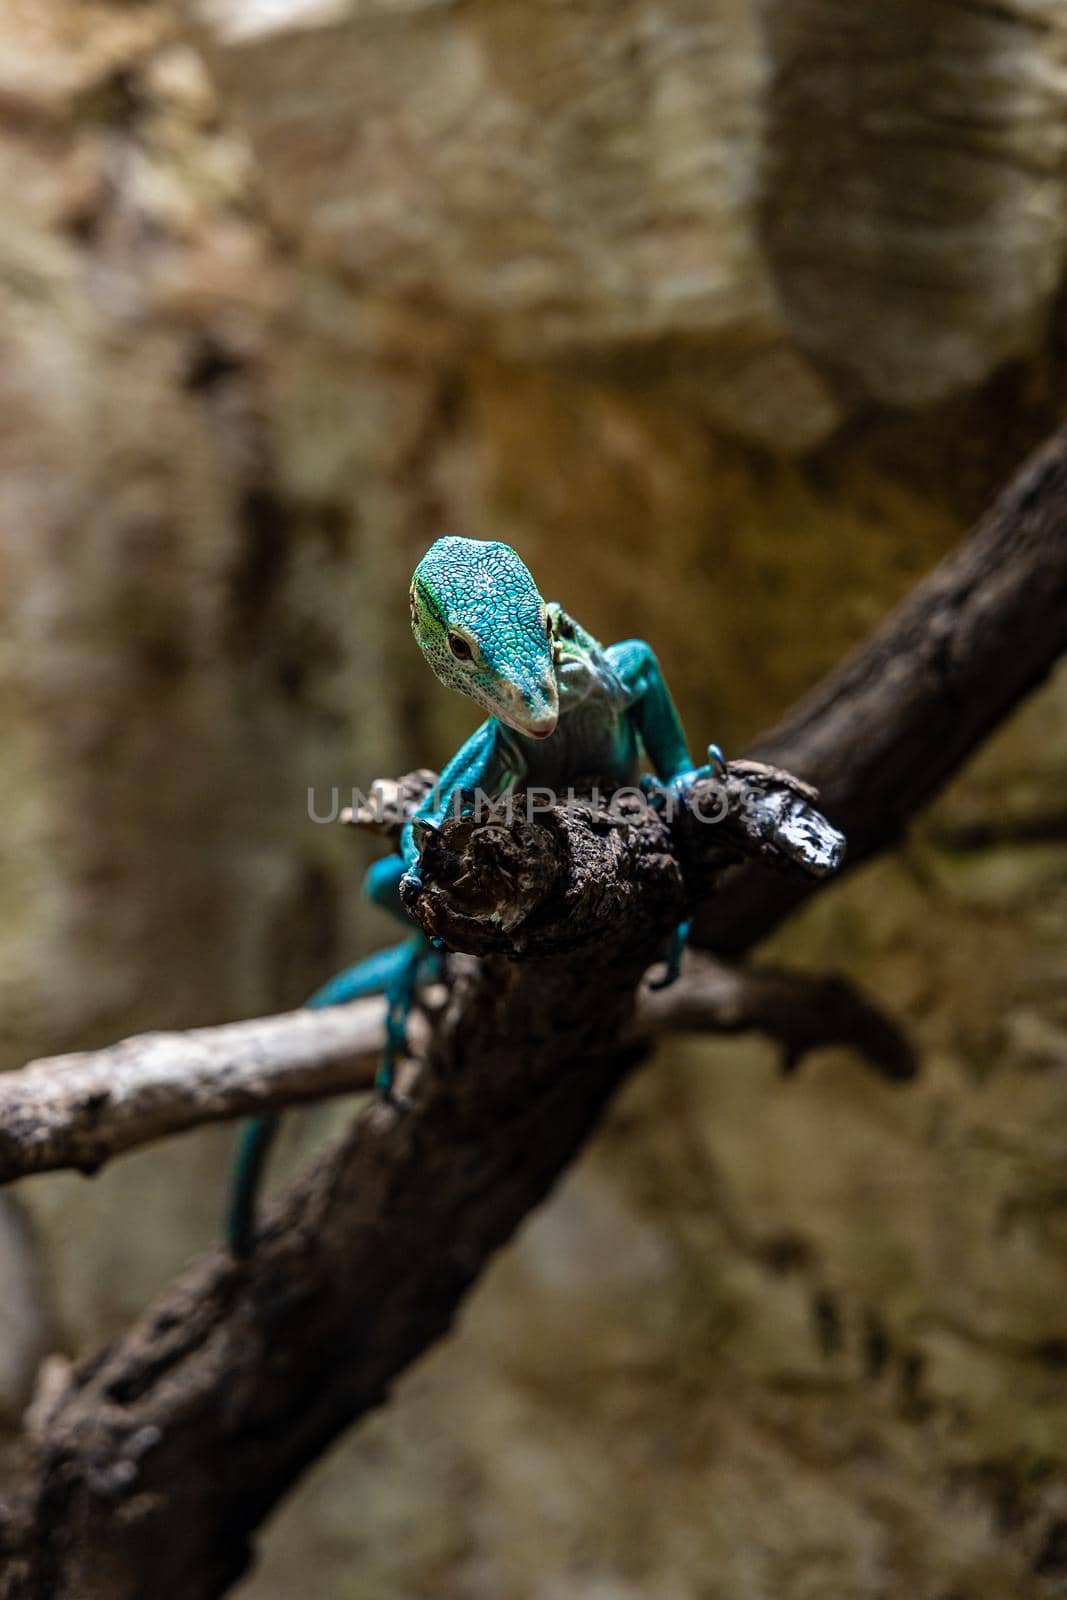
(420,964)
(675,951)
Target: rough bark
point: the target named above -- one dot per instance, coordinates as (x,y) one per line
(156,1463)
(800,1013)
(80,1110)
(883,733)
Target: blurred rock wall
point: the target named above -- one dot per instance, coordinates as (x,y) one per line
(730,317)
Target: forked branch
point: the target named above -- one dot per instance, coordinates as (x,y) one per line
(153,1468)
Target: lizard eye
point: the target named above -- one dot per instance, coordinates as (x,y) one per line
(459,647)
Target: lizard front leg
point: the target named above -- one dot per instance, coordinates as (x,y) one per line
(655,719)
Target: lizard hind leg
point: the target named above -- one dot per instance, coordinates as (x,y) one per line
(675,952)
(253,1147)
(394,973)
(376,974)
(423,964)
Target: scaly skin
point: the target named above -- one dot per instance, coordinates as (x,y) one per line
(561,708)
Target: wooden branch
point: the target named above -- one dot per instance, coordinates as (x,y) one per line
(549,881)
(80,1110)
(155,1465)
(881,735)
(798,1012)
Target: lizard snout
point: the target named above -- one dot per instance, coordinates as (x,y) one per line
(541,708)
(533,712)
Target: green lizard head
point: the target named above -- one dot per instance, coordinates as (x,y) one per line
(484,629)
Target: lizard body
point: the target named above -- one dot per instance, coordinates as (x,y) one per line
(561,706)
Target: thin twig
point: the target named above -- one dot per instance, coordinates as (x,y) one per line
(79,1111)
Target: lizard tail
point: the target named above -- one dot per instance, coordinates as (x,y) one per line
(392,972)
(253,1147)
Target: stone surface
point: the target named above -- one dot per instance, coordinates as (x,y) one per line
(795,207)
(914,208)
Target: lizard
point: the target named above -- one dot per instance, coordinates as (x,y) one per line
(561,707)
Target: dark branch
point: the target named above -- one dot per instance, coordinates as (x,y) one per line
(798,1012)
(549,882)
(881,735)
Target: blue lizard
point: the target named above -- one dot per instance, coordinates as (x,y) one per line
(561,708)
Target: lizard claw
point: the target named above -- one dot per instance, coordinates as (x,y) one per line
(716,760)
(389,1096)
(412,879)
(653,791)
